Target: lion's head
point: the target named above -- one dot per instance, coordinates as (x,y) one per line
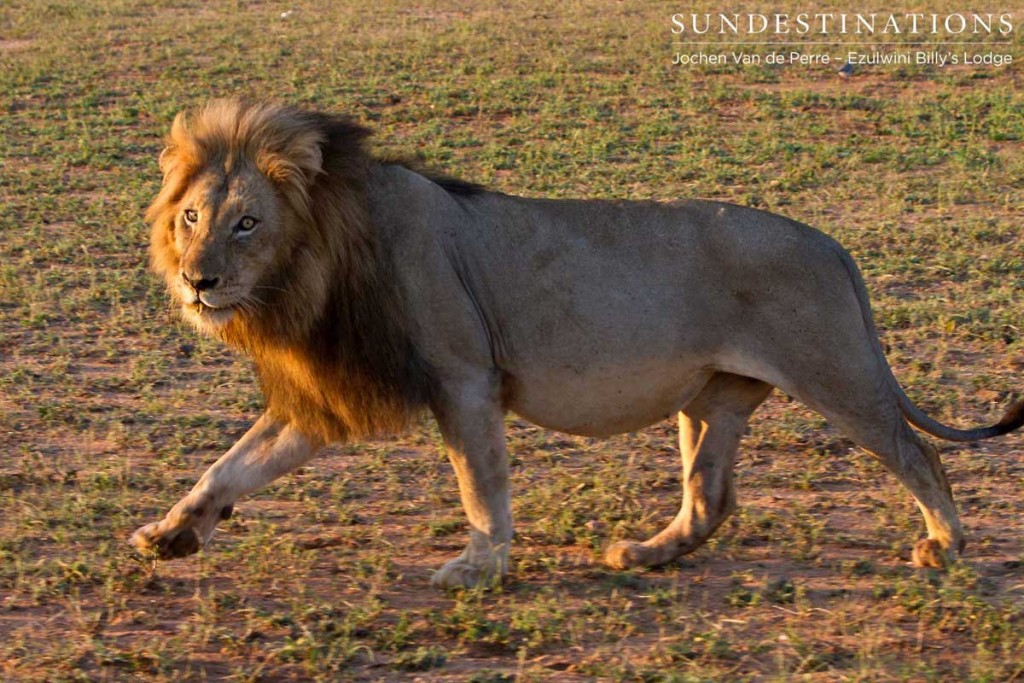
(261,234)
(236,210)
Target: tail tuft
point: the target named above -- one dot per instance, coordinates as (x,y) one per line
(1012,419)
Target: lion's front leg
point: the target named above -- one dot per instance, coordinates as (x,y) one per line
(267,451)
(472,425)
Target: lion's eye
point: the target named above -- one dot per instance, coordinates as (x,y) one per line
(246,225)
(191,216)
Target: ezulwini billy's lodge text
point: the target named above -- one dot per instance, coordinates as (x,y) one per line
(934,58)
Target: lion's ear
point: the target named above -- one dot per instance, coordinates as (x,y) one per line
(306,151)
(299,160)
(294,166)
(167,160)
(173,154)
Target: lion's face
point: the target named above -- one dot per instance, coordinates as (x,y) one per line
(226,230)
(230,214)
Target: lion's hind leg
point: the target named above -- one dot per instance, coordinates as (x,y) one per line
(916,464)
(867,411)
(710,429)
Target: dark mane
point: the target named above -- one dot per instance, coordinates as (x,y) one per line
(457,186)
(452,185)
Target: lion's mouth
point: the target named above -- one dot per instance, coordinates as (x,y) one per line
(199,306)
(217,315)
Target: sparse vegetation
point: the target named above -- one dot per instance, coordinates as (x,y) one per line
(109,409)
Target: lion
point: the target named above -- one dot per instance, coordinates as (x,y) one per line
(368,293)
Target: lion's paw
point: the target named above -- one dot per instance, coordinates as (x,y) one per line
(461,573)
(626,555)
(166,543)
(928,552)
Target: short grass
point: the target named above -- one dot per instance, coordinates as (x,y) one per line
(110,409)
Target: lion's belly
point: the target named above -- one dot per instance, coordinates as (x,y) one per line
(603,401)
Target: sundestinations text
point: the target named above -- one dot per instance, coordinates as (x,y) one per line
(824,23)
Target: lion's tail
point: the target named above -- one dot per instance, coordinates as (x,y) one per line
(1012,419)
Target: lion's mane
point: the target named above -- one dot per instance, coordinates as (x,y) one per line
(330,342)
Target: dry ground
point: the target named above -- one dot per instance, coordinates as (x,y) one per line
(110,409)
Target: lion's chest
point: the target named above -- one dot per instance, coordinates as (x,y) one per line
(303,393)
(325,397)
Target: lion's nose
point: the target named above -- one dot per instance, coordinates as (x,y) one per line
(200,284)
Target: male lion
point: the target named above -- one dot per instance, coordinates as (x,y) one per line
(366,293)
